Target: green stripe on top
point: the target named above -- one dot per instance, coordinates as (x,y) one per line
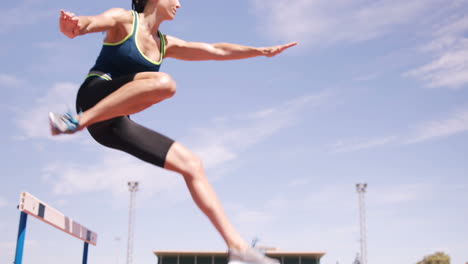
(98,75)
(163,44)
(134,14)
(161,41)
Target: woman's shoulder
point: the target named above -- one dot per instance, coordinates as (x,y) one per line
(120,14)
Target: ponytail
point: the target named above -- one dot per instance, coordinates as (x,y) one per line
(138,5)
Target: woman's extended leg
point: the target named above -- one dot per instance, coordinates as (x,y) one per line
(181,160)
(124,134)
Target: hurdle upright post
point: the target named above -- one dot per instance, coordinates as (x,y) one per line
(85,253)
(21,238)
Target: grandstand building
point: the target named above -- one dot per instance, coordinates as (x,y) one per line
(220,257)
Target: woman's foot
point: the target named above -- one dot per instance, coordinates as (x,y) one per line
(250,256)
(63,124)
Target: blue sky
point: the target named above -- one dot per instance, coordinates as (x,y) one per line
(375,92)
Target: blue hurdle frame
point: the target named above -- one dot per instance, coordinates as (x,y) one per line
(87,236)
(22,237)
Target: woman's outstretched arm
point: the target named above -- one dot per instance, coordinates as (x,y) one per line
(197,51)
(72,25)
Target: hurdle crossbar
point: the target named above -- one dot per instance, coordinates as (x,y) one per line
(42,211)
(30,205)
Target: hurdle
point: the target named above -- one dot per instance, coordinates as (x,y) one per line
(30,205)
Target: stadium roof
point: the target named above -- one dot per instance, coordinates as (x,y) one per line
(271,253)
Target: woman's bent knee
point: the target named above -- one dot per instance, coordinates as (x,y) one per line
(159,84)
(167,84)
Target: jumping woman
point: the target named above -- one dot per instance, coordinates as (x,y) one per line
(126,80)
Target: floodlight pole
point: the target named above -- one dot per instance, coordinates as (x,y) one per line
(361,189)
(133,188)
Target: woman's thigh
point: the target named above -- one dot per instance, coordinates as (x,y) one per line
(124,134)
(94,89)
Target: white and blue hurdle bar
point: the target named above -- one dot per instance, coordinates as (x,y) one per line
(30,205)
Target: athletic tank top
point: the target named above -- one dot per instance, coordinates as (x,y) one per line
(125,57)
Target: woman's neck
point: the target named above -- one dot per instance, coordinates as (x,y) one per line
(149,18)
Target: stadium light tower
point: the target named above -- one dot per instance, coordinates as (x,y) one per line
(361,189)
(133,188)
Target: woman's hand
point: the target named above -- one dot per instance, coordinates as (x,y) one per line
(275,50)
(69,24)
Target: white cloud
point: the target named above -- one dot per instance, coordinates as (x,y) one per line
(455,124)
(448,49)
(450,69)
(441,128)
(321,21)
(356,145)
(109,174)
(59,98)
(225,137)
(457,27)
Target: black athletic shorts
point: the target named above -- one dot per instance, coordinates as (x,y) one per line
(121,132)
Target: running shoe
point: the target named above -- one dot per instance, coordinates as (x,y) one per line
(62,123)
(249,256)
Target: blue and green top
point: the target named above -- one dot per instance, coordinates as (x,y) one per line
(125,57)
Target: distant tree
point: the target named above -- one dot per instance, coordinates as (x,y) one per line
(436,258)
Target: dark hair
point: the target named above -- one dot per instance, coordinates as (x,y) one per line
(138,5)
